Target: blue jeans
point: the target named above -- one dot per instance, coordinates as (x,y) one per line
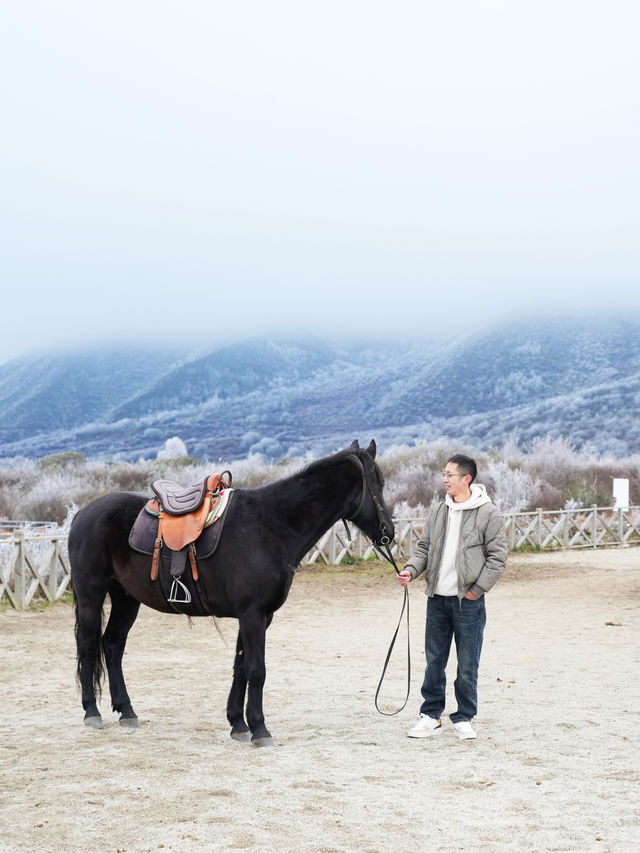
(449,617)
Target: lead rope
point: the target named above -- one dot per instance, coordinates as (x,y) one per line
(385,550)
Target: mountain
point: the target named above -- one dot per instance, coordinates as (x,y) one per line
(579,379)
(39,392)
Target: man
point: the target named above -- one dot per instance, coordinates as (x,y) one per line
(463,552)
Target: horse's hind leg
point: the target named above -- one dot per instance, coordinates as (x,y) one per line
(124,610)
(89,599)
(235,702)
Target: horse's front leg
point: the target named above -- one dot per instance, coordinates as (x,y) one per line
(253,628)
(235,702)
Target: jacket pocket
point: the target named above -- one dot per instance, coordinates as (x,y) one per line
(472,563)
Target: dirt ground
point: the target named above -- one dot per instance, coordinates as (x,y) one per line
(556,766)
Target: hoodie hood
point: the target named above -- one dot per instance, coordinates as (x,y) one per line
(478,497)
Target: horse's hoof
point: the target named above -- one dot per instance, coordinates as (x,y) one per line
(94,722)
(263,741)
(130,722)
(242,737)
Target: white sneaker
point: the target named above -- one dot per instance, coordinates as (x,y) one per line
(425,727)
(464,730)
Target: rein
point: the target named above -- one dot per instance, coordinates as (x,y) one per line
(385,550)
(386,553)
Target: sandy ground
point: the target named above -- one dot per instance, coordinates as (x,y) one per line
(556,766)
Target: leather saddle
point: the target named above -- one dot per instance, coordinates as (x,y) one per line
(182,514)
(181,500)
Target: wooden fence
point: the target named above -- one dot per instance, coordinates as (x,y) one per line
(577,528)
(35,564)
(526,531)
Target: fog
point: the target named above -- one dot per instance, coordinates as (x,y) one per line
(222,170)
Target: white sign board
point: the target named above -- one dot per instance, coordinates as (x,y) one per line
(620,493)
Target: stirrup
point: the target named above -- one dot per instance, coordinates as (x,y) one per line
(177,588)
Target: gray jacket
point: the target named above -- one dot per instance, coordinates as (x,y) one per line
(482,549)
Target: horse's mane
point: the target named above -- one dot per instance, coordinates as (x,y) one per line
(316,466)
(327,461)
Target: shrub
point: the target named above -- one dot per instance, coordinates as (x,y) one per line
(548,476)
(45,508)
(59,461)
(586,494)
(130,478)
(546,497)
(49,498)
(403,509)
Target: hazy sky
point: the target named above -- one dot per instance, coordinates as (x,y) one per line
(383,168)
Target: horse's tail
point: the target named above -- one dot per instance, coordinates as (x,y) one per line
(94,642)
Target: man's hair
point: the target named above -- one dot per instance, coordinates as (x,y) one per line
(466,465)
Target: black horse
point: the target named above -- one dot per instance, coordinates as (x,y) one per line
(266,533)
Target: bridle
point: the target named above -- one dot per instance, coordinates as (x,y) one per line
(366,489)
(383,547)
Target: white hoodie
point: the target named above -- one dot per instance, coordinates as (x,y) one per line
(447,583)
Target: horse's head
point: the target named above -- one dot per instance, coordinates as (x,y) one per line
(371,514)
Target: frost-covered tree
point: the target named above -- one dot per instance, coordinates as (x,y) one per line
(551,474)
(174,448)
(404,509)
(512,488)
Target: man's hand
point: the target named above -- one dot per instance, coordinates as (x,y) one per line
(404,577)
(471,595)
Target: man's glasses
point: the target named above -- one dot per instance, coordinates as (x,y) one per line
(447,475)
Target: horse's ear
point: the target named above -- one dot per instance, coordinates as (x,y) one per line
(355,445)
(371,450)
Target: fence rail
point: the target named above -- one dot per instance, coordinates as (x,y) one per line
(36,565)
(583,528)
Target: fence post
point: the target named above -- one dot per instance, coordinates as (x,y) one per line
(20,571)
(52,580)
(332,546)
(539,532)
(620,527)
(594,525)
